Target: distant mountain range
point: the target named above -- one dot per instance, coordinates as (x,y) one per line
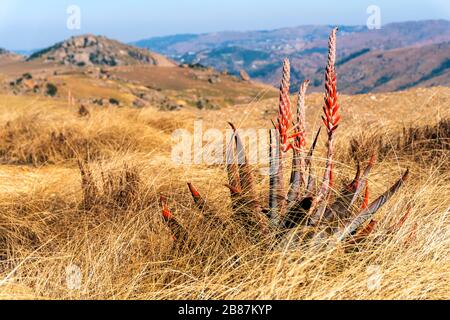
(396,57)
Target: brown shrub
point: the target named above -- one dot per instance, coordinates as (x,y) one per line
(36,139)
(424,144)
(115,189)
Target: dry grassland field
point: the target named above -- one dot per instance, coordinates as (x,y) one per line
(97,202)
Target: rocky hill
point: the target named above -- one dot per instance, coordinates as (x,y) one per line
(260,52)
(89,50)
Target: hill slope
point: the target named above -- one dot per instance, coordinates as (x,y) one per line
(396,69)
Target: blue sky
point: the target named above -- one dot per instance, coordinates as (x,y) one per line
(26,24)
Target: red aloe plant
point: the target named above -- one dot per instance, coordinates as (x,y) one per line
(346,217)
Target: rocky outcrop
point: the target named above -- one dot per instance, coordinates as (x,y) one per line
(244,75)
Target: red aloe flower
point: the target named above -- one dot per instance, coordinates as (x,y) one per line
(284,120)
(331,117)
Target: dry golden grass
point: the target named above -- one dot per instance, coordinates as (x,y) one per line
(125,251)
(35,132)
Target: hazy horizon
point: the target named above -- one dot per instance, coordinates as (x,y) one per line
(199,33)
(30,26)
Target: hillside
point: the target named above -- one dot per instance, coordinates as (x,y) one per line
(260,52)
(96,70)
(91,50)
(393,70)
